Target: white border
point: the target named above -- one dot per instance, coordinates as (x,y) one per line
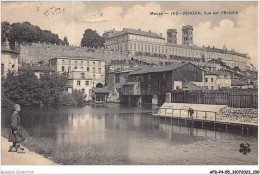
(68,169)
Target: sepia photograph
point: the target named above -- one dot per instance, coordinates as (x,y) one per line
(139,83)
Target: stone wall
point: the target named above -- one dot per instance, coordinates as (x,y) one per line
(35,52)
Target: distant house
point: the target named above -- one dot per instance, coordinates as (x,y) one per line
(9,60)
(117,78)
(83,73)
(241,84)
(38,70)
(216,80)
(99,95)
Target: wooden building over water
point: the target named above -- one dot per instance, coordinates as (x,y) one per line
(150,84)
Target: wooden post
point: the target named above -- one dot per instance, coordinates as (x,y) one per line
(226,127)
(215,120)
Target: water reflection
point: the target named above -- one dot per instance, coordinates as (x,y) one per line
(127,133)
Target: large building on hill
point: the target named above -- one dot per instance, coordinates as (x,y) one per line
(133,41)
(83,73)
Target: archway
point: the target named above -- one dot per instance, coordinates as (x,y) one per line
(99,85)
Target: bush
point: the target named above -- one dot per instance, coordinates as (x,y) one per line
(6,101)
(66,98)
(79,97)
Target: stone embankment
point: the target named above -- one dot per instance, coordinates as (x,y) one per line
(245,115)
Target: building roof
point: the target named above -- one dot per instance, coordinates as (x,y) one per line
(78,58)
(148,69)
(218,73)
(130,83)
(191,86)
(136,32)
(238,82)
(99,90)
(5,49)
(187,27)
(37,68)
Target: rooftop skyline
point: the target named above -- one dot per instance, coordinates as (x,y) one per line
(236,31)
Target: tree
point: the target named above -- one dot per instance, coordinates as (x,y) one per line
(65,41)
(5,27)
(78,96)
(26,32)
(236,68)
(51,87)
(92,39)
(22,89)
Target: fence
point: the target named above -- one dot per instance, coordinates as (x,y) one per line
(236,99)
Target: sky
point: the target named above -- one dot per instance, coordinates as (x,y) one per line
(237,31)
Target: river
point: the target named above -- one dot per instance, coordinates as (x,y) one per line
(131,135)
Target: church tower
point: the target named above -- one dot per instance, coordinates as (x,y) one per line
(172,36)
(187,35)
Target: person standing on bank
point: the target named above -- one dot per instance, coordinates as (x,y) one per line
(15,134)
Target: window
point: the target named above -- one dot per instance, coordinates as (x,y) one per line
(99,63)
(2,69)
(62,62)
(83,90)
(211,79)
(99,70)
(62,68)
(93,63)
(81,62)
(206,79)
(78,83)
(82,68)
(82,75)
(87,83)
(212,88)
(117,77)
(206,87)
(226,82)
(88,69)
(75,67)
(93,69)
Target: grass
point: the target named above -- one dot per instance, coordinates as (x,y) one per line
(69,154)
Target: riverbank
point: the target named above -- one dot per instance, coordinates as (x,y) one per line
(27,158)
(115,134)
